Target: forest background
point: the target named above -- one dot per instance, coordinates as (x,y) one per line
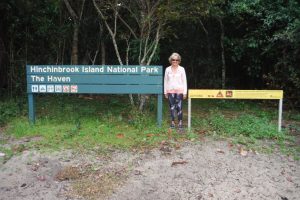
(89,145)
(234,44)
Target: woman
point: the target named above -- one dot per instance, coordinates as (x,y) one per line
(175,88)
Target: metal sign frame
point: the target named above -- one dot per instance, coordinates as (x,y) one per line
(236,94)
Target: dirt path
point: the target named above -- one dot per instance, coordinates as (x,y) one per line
(207,170)
(213,171)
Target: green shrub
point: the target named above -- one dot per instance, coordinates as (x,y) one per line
(8,110)
(257,127)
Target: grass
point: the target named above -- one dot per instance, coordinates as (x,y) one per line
(102,123)
(10,109)
(68,122)
(8,154)
(110,121)
(251,124)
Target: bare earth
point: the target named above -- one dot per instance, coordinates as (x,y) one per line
(205,170)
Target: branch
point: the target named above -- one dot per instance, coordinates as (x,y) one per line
(113,36)
(81,11)
(103,18)
(140,51)
(156,44)
(133,15)
(127,25)
(151,47)
(71,11)
(116,17)
(146,43)
(203,27)
(127,51)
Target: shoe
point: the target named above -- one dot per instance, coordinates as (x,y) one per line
(180,127)
(172,126)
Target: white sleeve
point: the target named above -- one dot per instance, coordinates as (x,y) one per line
(184,82)
(166,81)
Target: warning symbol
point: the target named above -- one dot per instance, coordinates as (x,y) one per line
(229,93)
(220,94)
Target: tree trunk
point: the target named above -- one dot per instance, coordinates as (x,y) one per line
(143,98)
(102,52)
(3,72)
(63,52)
(74,59)
(222,54)
(209,54)
(76,18)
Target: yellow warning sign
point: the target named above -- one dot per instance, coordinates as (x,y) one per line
(236,94)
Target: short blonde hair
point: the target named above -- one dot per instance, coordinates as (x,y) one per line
(173,55)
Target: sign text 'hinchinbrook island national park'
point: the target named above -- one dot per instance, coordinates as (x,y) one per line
(81,78)
(94,79)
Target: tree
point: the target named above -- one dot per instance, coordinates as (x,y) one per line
(30,32)
(266,44)
(207,15)
(141,22)
(75,12)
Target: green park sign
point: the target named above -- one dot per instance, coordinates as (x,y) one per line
(94,79)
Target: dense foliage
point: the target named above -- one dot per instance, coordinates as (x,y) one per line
(238,44)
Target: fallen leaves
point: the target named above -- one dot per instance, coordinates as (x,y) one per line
(98,184)
(150,135)
(23,185)
(230,145)
(35,167)
(178,163)
(164,146)
(202,132)
(289,179)
(39,164)
(169,133)
(238,191)
(210,195)
(243,152)
(177,146)
(120,135)
(220,151)
(41,178)
(18,148)
(68,173)
(137,172)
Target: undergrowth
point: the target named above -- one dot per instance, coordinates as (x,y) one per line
(110,121)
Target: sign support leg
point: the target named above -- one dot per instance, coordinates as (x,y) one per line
(31,108)
(280,115)
(159,109)
(189,113)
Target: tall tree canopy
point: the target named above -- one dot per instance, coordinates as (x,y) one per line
(238,44)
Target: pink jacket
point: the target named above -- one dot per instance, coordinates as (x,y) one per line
(175,82)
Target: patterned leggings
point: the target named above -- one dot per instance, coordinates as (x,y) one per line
(175,104)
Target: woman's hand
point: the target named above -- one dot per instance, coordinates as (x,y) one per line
(166,96)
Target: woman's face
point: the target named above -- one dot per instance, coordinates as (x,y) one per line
(175,61)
